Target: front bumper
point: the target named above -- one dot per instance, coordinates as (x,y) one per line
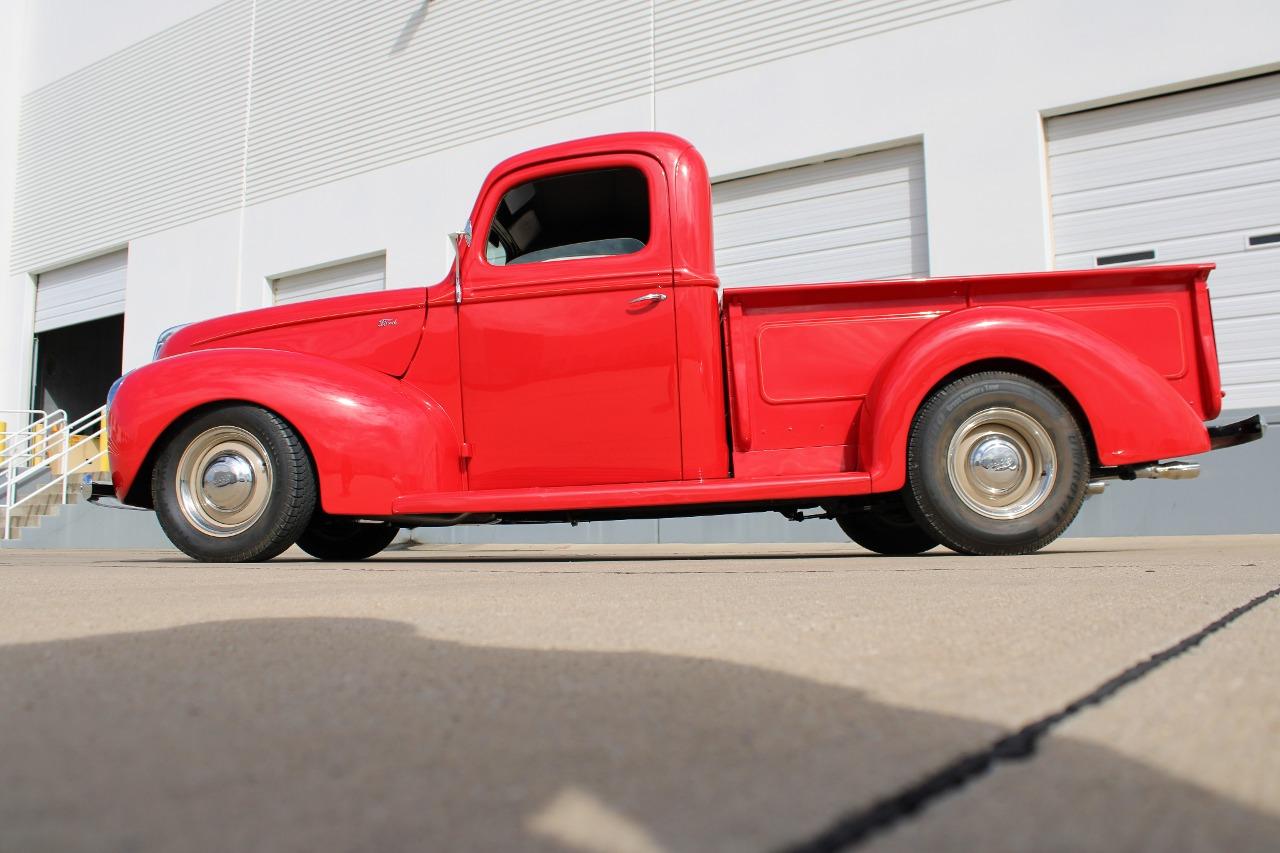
(1240,432)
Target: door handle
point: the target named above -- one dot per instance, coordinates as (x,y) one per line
(649,297)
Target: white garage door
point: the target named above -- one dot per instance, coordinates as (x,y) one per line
(1188,177)
(359,276)
(853,218)
(89,290)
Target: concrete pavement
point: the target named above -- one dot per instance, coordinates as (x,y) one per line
(637,698)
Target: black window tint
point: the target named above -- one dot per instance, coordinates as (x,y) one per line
(578,215)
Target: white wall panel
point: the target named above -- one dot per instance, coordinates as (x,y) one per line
(711,37)
(342,87)
(81,292)
(148,138)
(15,291)
(359,276)
(63,36)
(1191,177)
(853,218)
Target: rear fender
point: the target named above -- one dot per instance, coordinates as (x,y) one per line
(1134,414)
(371,437)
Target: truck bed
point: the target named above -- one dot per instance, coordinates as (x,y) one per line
(804,360)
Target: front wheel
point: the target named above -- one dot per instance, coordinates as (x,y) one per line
(234,485)
(996,464)
(334,538)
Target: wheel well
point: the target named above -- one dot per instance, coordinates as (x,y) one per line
(1029,371)
(140,492)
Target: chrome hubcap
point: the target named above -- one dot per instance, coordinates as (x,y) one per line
(1001,462)
(228,482)
(996,465)
(224,481)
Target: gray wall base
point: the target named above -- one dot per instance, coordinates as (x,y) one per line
(86,525)
(1238,491)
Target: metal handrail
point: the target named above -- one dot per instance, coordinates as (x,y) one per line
(40,412)
(45,429)
(81,422)
(15,474)
(57,428)
(34,440)
(31,424)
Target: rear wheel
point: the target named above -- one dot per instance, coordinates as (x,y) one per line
(888,530)
(234,485)
(330,537)
(996,464)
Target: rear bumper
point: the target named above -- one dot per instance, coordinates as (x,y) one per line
(1226,435)
(1240,432)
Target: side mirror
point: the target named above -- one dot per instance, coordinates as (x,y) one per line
(456,238)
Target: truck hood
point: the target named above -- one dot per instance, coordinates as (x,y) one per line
(379,330)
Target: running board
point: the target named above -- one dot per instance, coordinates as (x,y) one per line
(670,493)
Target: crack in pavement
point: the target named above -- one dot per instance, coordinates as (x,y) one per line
(858,827)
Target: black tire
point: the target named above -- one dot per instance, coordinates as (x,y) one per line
(330,537)
(888,530)
(213,510)
(989,432)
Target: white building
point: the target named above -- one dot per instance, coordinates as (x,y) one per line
(170,160)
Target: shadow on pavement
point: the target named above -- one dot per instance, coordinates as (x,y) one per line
(648,555)
(359,734)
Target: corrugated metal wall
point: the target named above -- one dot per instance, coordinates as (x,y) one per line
(700,39)
(343,87)
(148,138)
(155,135)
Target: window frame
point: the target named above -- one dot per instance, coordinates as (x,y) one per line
(481,278)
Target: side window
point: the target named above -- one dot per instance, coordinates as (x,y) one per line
(578,215)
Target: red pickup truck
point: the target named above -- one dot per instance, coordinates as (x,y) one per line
(580,362)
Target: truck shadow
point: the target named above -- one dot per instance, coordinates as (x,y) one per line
(652,554)
(359,734)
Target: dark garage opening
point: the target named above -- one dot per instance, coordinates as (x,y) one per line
(75,365)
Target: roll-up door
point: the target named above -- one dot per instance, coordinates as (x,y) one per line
(89,290)
(1193,176)
(338,280)
(854,218)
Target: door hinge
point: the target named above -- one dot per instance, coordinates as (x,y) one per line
(465,453)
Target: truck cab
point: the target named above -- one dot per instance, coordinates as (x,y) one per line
(569,314)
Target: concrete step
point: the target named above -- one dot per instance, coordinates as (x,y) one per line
(30,514)
(90,525)
(31,480)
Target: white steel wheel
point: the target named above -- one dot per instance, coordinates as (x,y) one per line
(234,484)
(996,464)
(223,481)
(1002,462)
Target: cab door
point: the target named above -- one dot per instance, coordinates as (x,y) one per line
(567,328)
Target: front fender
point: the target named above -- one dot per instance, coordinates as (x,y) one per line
(371,437)
(1135,415)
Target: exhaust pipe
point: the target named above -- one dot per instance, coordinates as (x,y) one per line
(1165,471)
